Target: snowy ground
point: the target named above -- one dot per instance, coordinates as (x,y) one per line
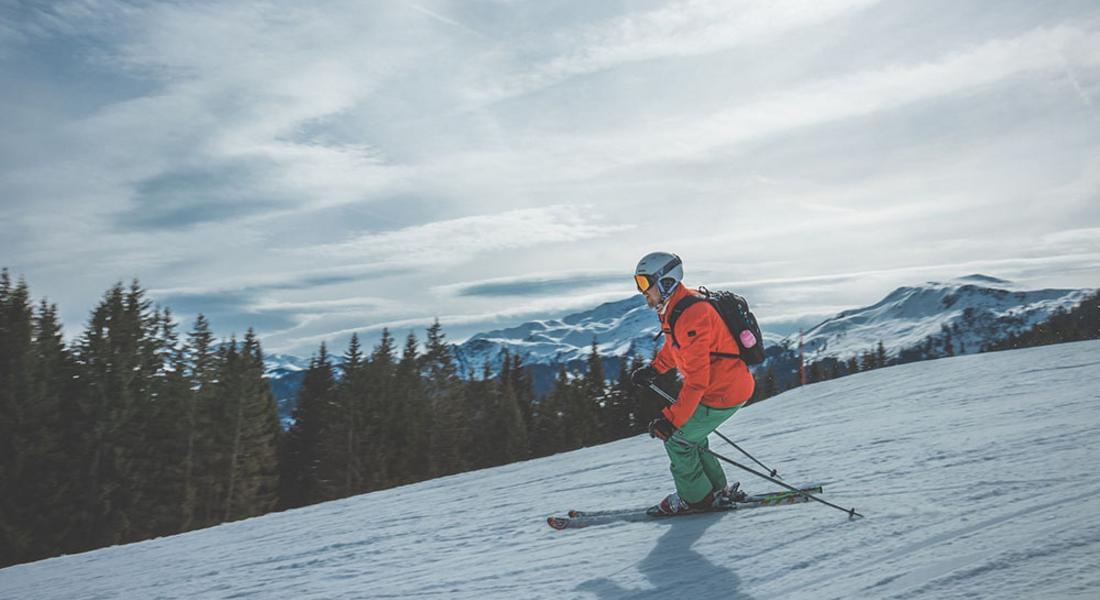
(979,476)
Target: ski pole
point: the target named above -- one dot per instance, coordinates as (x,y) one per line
(672,400)
(851,511)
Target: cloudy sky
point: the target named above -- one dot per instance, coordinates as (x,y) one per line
(313,169)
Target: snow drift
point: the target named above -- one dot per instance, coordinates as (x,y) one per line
(978,475)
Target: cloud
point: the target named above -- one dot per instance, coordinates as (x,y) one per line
(680,29)
(237,310)
(442,19)
(339,305)
(1086,238)
(184,197)
(247,288)
(536,284)
(228,311)
(459,326)
(459,240)
(694,137)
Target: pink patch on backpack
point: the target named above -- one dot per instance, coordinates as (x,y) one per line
(748,340)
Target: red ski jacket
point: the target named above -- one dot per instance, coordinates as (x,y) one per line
(714,381)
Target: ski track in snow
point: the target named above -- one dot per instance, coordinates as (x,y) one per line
(978,475)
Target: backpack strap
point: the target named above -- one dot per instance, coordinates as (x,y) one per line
(685,303)
(725,355)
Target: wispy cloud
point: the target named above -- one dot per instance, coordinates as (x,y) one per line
(681,29)
(536,284)
(462,325)
(443,19)
(459,240)
(845,97)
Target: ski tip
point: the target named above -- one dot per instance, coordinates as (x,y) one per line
(557,522)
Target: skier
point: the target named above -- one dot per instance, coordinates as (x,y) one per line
(714,387)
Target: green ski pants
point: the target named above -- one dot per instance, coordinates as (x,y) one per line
(695,471)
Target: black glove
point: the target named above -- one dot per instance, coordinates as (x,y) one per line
(661,428)
(643,376)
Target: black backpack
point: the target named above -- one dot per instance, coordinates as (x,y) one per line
(735,312)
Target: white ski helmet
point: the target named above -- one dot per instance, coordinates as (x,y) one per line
(663,269)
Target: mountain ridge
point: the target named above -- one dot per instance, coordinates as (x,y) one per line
(966,313)
(904,318)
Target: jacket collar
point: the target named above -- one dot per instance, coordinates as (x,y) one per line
(681,292)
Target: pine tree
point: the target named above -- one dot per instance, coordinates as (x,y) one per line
(508,427)
(617,414)
(219,418)
(54,417)
(301,455)
(592,400)
(447,444)
(867,361)
(16,359)
(480,399)
(385,431)
(253,470)
(113,361)
(232,395)
(340,473)
(410,451)
(520,381)
(164,431)
(201,414)
(548,435)
(35,372)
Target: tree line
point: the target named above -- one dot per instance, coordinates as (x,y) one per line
(1066,325)
(134,431)
(374,420)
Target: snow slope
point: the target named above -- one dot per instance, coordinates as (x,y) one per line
(979,476)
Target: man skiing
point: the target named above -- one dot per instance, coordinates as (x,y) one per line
(715,384)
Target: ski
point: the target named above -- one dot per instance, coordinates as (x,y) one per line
(579,519)
(814,488)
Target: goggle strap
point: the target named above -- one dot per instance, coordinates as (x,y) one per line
(672,264)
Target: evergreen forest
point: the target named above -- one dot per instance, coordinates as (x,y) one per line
(136,430)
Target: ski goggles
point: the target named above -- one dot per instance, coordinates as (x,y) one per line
(646,281)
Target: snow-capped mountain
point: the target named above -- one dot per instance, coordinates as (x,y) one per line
(617,327)
(967,314)
(284,362)
(976,309)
